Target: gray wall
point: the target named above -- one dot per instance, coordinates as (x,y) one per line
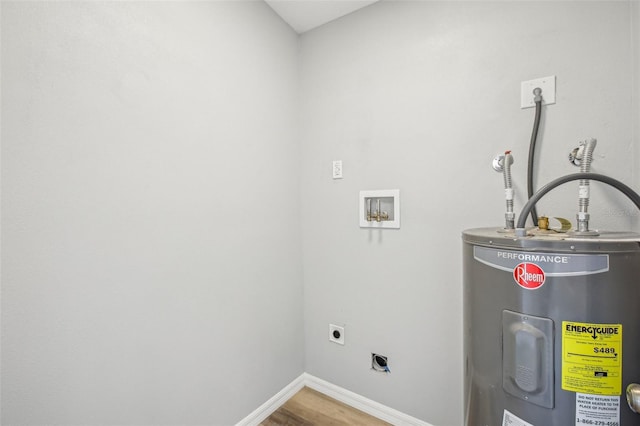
(420,96)
(151,269)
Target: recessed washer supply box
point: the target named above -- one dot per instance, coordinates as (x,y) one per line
(380,209)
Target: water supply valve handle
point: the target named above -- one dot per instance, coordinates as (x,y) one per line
(498,163)
(633,397)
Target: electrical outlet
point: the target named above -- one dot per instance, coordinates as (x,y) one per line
(546,84)
(336,334)
(337,169)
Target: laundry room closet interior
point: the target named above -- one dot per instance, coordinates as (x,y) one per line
(176,245)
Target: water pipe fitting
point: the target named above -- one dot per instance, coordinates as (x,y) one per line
(537,94)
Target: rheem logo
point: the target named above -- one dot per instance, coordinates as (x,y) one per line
(528,275)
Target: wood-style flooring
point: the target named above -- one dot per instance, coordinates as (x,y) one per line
(311,408)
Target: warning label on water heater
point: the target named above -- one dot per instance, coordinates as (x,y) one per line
(597,410)
(510,419)
(592,358)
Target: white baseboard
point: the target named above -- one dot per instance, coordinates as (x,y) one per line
(352,399)
(361,403)
(275,402)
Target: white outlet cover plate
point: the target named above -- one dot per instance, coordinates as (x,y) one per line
(332,328)
(548,86)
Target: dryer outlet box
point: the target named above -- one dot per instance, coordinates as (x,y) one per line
(336,334)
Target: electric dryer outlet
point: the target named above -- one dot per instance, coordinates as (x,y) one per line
(336,334)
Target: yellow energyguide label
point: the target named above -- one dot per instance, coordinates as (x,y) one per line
(592,358)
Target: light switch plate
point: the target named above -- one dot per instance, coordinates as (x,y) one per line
(337,169)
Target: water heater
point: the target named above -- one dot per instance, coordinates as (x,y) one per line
(551,315)
(551,328)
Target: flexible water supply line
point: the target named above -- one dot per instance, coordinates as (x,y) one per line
(509,216)
(583,189)
(522,219)
(532,149)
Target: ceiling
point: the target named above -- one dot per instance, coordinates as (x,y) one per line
(304,15)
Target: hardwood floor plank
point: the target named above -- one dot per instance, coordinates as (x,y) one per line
(285,417)
(311,408)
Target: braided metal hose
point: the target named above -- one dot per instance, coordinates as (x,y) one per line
(508,189)
(583,189)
